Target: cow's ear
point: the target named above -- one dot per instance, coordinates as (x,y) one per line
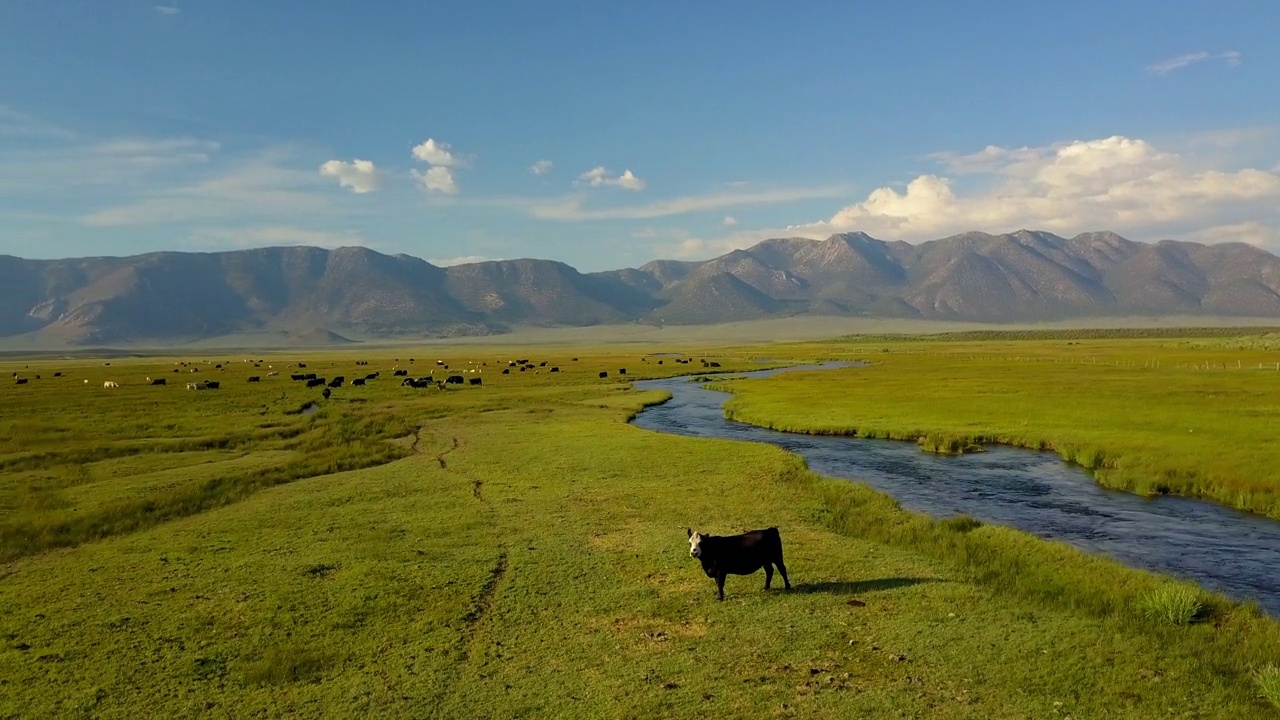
(690,531)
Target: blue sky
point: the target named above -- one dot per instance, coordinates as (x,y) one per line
(609,134)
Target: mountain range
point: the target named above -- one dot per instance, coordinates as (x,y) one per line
(308,295)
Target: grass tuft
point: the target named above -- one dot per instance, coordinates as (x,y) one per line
(1269,682)
(1172,605)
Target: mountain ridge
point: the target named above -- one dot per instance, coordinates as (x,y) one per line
(171,297)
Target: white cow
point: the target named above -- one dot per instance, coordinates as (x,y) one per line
(111,384)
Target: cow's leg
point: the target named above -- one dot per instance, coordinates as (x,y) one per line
(782,569)
(720,584)
(768,575)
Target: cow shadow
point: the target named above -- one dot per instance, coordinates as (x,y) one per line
(857,587)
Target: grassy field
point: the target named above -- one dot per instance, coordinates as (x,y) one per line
(517,550)
(1151,412)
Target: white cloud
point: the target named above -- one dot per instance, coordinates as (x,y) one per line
(272,235)
(440,154)
(1231,58)
(573,207)
(437,179)
(542,167)
(1114,183)
(359,175)
(600,177)
(167,10)
(464,260)
(729,221)
(260,187)
(17,125)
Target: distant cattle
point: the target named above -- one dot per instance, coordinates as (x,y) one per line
(542,364)
(326,393)
(438,362)
(357,382)
(401,373)
(315,382)
(523,368)
(254,379)
(110,384)
(302,365)
(575,360)
(739,555)
(273,373)
(659,362)
(297,377)
(218,366)
(310,376)
(371,376)
(159,381)
(511,363)
(522,362)
(506,371)
(474,381)
(714,364)
(20,381)
(195,370)
(455,380)
(57,374)
(622,371)
(604,374)
(213,384)
(554,369)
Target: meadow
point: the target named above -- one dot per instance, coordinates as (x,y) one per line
(516,549)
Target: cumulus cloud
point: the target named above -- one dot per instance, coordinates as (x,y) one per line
(440,154)
(729,221)
(542,167)
(437,179)
(1116,183)
(1231,58)
(601,177)
(359,175)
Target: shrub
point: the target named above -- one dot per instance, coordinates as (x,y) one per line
(1172,604)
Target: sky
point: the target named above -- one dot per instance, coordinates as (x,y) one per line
(606,135)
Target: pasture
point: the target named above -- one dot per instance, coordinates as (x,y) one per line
(517,549)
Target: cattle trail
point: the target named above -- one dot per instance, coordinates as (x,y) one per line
(484,600)
(440,457)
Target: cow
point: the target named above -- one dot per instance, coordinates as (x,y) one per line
(371,376)
(622,371)
(603,374)
(192,386)
(254,379)
(554,369)
(659,362)
(542,364)
(302,365)
(309,376)
(57,374)
(340,379)
(159,381)
(326,393)
(401,373)
(273,373)
(455,380)
(506,371)
(714,364)
(297,377)
(110,384)
(357,382)
(474,381)
(212,384)
(336,382)
(739,555)
(315,382)
(20,381)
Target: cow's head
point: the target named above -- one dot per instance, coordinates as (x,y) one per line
(695,544)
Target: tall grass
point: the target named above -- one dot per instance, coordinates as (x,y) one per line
(1268,679)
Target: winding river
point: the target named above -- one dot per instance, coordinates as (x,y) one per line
(1223,549)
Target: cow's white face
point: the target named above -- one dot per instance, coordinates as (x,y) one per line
(695,545)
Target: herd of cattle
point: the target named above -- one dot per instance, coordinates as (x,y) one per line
(312,380)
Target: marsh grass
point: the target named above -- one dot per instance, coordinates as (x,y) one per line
(1172,605)
(1268,679)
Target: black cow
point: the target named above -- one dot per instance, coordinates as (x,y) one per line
(622,371)
(312,376)
(713,363)
(339,378)
(739,555)
(296,377)
(326,393)
(554,369)
(159,381)
(21,381)
(254,378)
(604,374)
(455,380)
(213,384)
(659,362)
(336,382)
(357,382)
(542,364)
(506,371)
(302,365)
(474,381)
(315,382)
(58,374)
(371,376)
(400,373)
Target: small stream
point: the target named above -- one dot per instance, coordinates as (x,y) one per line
(1223,549)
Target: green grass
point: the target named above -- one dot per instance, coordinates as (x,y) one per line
(1151,416)
(1269,682)
(1172,604)
(522,553)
